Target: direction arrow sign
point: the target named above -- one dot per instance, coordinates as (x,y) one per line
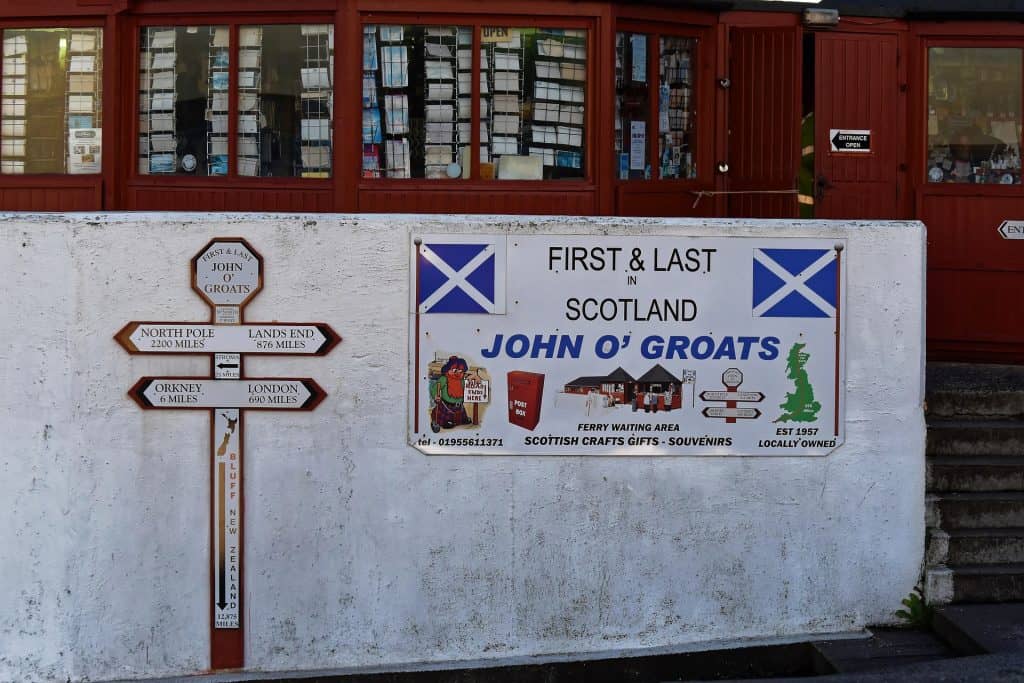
(850,140)
(265,393)
(743,413)
(1012,230)
(314,339)
(754,396)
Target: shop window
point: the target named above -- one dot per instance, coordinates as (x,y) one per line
(285,99)
(51,120)
(974,115)
(672,103)
(183,100)
(416,101)
(532,103)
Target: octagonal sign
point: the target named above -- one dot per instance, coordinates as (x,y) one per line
(227,273)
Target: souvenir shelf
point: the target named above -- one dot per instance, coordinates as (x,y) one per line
(558,86)
(217,104)
(157,138)
(250,61)
(317,74)
(12,151)
(675,114)
(502,87)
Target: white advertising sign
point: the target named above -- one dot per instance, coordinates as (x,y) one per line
(626,345)
(85,150)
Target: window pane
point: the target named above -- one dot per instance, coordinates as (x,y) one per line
(532,103)
(632,105)
(285,75)
(183,100)
(416,101)
(974,115)
(52,101)
(676,131)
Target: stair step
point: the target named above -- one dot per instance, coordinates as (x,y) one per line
(988,582)
(976,510)
(975,473)
(886,648)
(975,437)
(971,390)
(977,629)
(982,546)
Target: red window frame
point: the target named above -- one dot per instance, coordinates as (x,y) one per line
(71,23)
(655,32)
(233,22)
(475,22)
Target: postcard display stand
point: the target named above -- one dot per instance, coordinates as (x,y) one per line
(675,118)
(620,82)
(502,86)
(385,90)
(317,75)
(558,110)
(250,62)
(83,118)
(158,141)
(446,139)
(217,104)
(14,106)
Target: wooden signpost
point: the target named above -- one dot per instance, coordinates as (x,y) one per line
(227,273)
(732,379)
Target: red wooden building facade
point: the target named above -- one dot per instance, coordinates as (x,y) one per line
(535,107)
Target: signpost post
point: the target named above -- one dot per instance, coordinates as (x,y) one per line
(227,273)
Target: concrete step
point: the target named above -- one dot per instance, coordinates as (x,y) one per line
(978,629)
(975,546)
(988,582)
(886,648)
(975,437)
(964,390)
(975,510)
(975,473)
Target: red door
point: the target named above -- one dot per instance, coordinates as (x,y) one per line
(858,137)
(764,121)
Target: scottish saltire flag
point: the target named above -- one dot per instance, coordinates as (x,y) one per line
(794,283)
(466,276)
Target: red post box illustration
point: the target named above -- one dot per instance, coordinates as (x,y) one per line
(525,391)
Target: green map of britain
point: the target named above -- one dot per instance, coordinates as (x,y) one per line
(800,405)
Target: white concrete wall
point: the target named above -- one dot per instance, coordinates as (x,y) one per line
(360,551)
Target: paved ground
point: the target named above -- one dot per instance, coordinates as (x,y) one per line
(1001,668)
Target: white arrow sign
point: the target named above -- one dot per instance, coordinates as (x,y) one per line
(731,396)
(287,338)
(1012,230)
(196,392)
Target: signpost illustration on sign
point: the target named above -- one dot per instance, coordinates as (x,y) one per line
(620,345)
(227,273)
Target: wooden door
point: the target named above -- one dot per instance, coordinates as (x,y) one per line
(858,136)
(764,121)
